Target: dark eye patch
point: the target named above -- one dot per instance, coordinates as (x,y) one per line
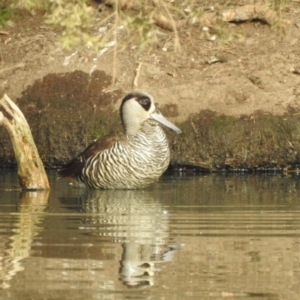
(145,103)
(141,98)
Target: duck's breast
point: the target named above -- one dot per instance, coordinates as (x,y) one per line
(136,162)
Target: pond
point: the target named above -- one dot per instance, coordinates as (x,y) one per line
(185,237)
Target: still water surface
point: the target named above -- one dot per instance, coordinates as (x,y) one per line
(204,237)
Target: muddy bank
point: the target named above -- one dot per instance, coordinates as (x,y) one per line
(260,141)
(66,111)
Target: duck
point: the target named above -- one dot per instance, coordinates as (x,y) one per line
(131,160)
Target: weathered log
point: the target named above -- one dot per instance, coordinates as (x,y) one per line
(249,12)
(31,172)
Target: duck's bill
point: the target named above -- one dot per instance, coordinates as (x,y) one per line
(157,116)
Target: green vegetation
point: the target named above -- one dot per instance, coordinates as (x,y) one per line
(139,20)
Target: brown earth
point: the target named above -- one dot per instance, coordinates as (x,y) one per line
(239,112)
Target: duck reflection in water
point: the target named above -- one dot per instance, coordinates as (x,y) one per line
(137,265)
(138,222)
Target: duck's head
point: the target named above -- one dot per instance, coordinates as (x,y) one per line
(136,108)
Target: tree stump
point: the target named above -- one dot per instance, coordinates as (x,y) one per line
(31,172)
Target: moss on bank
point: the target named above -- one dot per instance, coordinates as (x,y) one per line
(66,112)
(258,141)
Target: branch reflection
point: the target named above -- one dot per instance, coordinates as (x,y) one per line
(26,225)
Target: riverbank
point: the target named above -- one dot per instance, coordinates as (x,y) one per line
(238,103)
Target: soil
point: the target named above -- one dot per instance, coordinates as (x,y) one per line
(252,79)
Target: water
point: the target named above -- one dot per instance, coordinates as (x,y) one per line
(205,237)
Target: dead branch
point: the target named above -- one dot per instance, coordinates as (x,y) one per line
(247,12)
(31,172)
(251,12)
(243,13)
(165,22)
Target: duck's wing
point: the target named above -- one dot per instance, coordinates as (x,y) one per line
(75,166)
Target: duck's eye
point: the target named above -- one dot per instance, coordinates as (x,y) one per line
(144,101)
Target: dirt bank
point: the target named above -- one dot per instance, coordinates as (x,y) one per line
(240,111)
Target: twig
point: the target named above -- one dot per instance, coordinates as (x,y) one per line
(193,124)
(20,65)
(1,58)
(277,92)
(32,41)
(218,72)
(114,75)
(137,74)
(227,50)
(174,24)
